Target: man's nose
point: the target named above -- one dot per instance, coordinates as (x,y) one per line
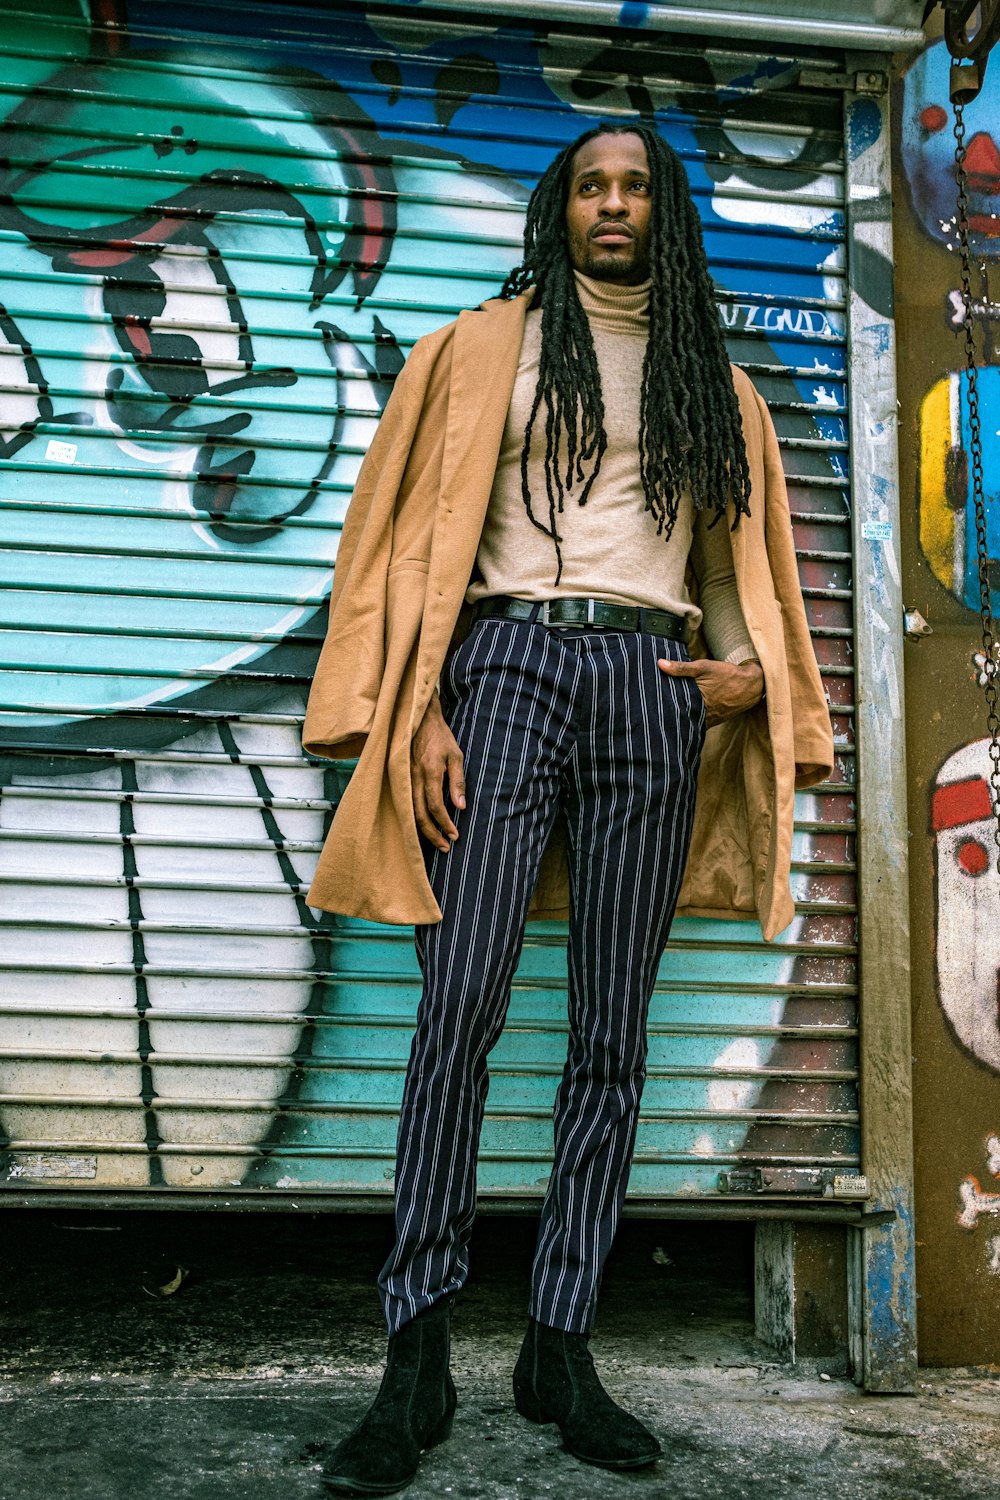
(615,202)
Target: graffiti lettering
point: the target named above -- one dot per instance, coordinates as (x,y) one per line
(799,321)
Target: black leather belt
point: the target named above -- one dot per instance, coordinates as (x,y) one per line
(583,612)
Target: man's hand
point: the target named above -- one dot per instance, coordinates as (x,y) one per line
(727,690)
(435,756)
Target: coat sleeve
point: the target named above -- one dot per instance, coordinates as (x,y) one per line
(349,673)
(813,735)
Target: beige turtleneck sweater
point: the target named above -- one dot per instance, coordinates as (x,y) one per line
(610,546)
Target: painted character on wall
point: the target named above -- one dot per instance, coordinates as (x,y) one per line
(201,303)
(947,517)
(968,898)
(968,941)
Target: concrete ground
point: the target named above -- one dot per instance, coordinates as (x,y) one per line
(235,1385)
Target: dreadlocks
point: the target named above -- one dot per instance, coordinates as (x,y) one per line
(689,422)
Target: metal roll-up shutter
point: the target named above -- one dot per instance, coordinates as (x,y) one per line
(222,227)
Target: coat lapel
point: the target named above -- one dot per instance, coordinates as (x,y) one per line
(485,352)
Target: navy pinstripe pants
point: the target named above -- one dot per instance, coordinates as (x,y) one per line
(582,722)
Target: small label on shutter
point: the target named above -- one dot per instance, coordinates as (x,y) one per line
(60,453)
(876,531)
(854,1185)
(38,1165)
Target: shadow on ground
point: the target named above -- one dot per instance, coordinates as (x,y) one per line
(234,1386)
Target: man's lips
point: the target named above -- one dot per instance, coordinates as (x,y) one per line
(612,234)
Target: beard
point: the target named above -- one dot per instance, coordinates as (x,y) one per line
(623,268)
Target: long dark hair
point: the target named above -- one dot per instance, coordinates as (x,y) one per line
(689,419)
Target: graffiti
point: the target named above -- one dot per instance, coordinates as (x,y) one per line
(983,312)
(211,274)
(928,154)
(233,324)
(968,886)
(947,514)
(801,321)
(947,518)
(977,1205)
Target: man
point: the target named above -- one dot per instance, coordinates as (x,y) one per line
(555,477)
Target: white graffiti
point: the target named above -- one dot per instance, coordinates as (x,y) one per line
(979,662)
(975,1203)
(772,319)
(968,934)
(993,1159)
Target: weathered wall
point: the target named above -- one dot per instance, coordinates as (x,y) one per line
(955,913)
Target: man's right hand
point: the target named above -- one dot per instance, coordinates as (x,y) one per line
(435,758)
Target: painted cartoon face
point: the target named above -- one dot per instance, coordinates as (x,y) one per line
(198,323)
(968,934)
(929,154)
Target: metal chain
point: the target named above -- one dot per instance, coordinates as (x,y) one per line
(991,667)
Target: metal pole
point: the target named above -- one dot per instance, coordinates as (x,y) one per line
(881,1279)
(732,23)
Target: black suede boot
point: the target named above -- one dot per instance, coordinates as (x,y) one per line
(413,1410)
(555,1381)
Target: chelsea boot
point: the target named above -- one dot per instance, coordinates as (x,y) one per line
(555,1381)
(413,1410)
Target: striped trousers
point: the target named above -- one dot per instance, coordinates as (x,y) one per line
(579,723)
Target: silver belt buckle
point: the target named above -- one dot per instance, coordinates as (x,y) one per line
(543,613)
(590,611)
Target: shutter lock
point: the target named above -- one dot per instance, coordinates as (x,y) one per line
(817,1182)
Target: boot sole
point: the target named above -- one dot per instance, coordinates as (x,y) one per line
(615,1464)
(356,1487)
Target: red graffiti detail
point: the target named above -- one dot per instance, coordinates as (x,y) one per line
(372,218)
(933,118)
(120,252)
(960,802)
(982,164)
(138,337)
(972,857)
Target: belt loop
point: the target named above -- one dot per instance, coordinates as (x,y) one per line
(590,611)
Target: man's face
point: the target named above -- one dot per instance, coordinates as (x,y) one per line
(608,209)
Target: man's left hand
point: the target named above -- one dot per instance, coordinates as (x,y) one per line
(728,690)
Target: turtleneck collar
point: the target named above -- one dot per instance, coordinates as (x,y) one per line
(612,304)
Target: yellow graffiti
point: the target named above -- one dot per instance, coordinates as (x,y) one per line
(937,518)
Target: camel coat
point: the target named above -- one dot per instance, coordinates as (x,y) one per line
(406,554)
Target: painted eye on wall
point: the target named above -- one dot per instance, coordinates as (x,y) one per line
(933,118)
(972,857)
